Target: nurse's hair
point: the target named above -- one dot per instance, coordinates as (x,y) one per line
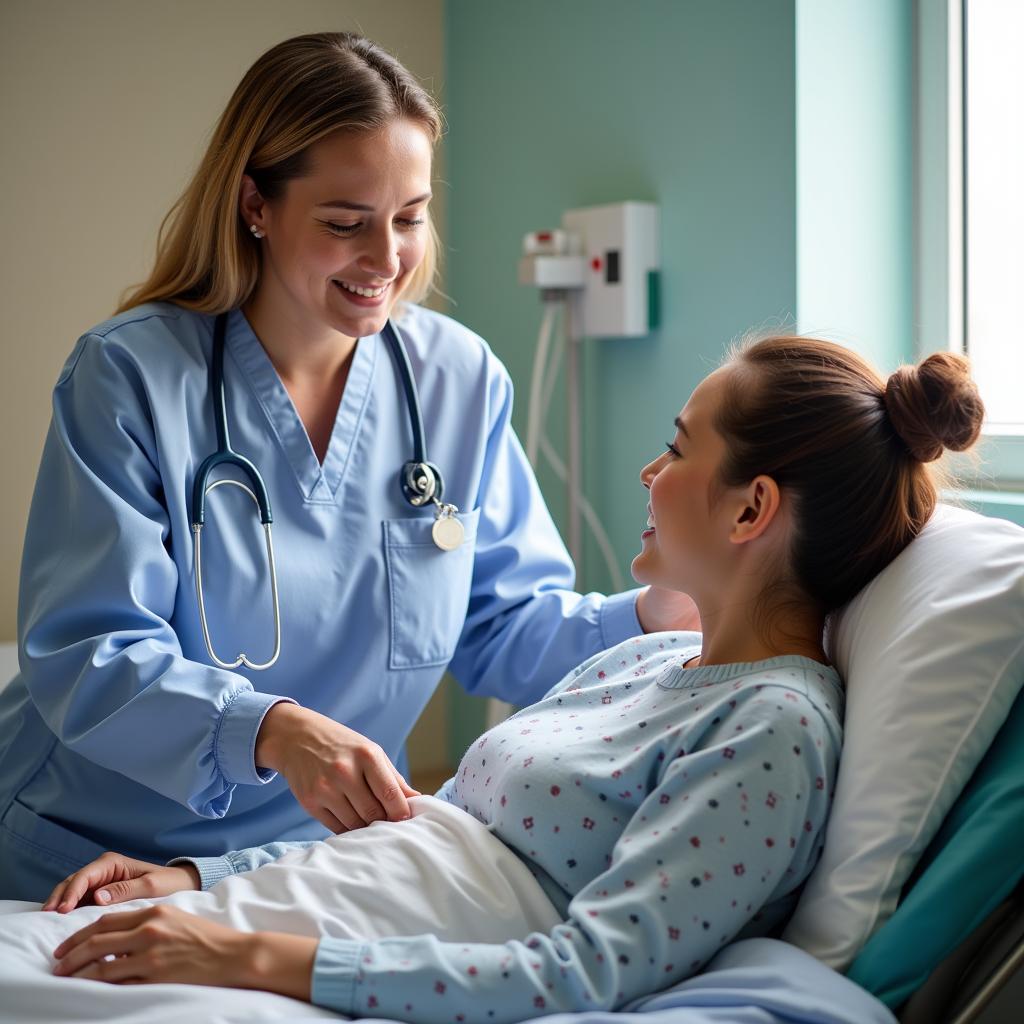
(854,452)
(296,94)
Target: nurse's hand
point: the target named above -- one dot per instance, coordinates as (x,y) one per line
(340,777)
(112,878)
(659,609)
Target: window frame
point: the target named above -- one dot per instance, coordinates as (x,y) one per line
(940,217)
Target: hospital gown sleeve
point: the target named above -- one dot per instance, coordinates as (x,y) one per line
(213,869)
(525,626)
(724,827)
(98,588)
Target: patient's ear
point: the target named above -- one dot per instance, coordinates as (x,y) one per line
(755,508)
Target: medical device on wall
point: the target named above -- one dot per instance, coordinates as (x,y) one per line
(598,276)
(420,482)
(600,272)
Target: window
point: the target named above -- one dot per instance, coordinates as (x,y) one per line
(993,207)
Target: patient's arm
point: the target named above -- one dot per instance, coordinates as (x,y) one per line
(211,870)
(163,944)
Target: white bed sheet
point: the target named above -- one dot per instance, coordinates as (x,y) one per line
(334,888)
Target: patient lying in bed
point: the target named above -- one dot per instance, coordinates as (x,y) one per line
(665,797)
(597,846)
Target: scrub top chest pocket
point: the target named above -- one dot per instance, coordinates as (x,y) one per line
(428,589)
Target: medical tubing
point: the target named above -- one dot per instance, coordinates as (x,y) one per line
(543,379)
(537,407)
(574,451)
(390,333)
(224,453)
(220,414)
(591,516)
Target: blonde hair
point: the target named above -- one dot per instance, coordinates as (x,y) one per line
(298,92)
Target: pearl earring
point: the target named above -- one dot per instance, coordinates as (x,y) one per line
(256,231)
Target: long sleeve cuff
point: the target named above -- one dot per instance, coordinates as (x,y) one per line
(211,869)
(235,744)
(335,968)
(619,619)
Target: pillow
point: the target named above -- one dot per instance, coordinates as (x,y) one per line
(932,654)
(969,868)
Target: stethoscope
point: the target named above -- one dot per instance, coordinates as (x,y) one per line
(420,479)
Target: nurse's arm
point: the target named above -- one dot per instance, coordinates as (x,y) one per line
(99,657)
(525,627)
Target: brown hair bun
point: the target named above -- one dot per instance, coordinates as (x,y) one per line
(935,405)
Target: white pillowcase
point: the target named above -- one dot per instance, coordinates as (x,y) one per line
(932,653)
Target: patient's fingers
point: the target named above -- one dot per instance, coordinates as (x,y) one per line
(125,970)
(119,921)
(53,900)
(69,893)
(96,947)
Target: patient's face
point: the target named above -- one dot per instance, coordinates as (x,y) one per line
(688,542)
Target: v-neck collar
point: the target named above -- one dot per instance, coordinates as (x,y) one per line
(317,483)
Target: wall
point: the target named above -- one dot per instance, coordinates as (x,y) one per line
(854,160)
(558,105)
(108,105)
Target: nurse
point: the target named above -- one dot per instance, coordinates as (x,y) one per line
(307,223)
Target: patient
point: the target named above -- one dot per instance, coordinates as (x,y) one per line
(667,796)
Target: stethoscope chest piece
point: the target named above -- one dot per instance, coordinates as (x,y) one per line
(421,484)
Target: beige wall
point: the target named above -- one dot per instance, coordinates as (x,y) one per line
(107,105)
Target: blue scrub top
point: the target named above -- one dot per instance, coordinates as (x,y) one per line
(119,733)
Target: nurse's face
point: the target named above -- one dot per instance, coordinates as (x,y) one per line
(687,546)
(358,220)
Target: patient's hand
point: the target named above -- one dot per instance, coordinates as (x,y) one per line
(113,878)
(165,944)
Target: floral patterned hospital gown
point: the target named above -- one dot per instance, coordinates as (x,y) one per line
(664,811)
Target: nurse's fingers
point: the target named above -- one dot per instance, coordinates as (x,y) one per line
(389,788)
(340,807)
(406,788)
(328,819)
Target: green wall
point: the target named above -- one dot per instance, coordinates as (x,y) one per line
(775,137)
(854,163)
(555,105)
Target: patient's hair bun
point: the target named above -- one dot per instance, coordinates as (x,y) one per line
(935,405)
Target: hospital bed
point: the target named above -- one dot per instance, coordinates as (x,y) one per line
(957,937)
(955,940)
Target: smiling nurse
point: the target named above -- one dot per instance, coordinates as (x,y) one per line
(305,228)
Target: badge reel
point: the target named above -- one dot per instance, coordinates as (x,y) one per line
(447,532)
